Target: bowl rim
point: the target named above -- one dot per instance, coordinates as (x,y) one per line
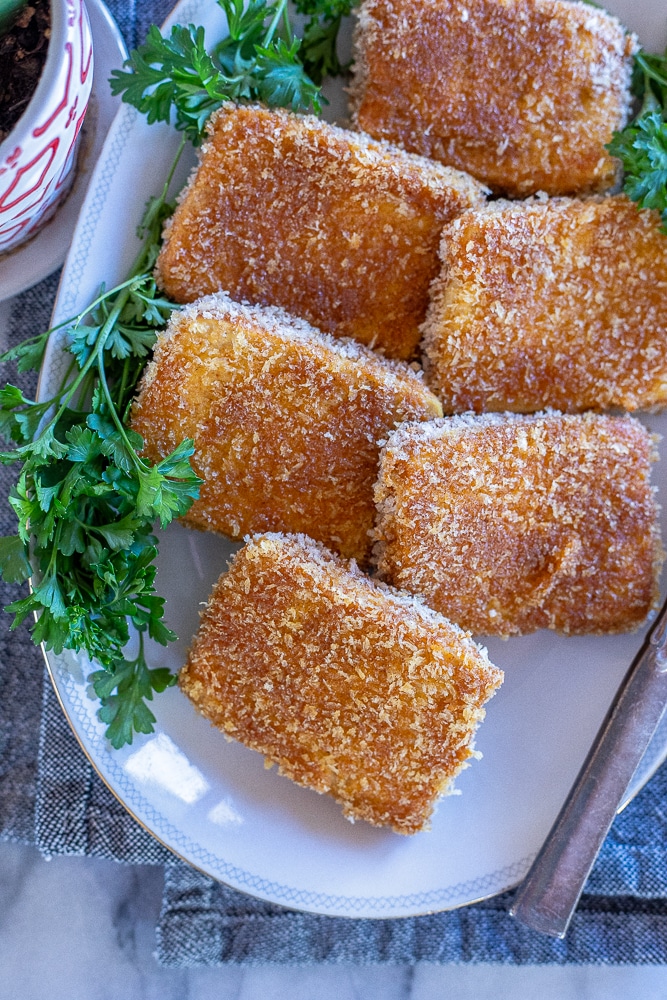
(42,94)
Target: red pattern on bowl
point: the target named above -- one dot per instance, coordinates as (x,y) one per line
(37,159)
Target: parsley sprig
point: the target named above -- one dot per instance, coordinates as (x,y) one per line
(177,76)
(86,500)
(319,52)
(642,145)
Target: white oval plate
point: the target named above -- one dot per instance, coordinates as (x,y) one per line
(211,801)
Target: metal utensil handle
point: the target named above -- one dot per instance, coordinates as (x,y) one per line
(548,896)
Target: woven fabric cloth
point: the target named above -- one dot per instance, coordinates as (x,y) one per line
(237,930)
(50,796)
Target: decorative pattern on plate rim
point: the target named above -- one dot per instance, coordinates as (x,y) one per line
(119,134)
(435,899)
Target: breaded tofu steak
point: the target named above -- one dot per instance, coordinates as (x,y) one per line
(352,688)
(560,303)
(522,94)
(285,420)
(335,228)
(508,523)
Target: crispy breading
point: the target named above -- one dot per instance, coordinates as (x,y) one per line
(523,94)
(337,229)
(350,687)
(559,303)
(509,523)
(285,420)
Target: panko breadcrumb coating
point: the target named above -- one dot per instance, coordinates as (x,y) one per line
(350,687)
(335,228)
(509,523)
(523,94)
(285,421)
(559,303)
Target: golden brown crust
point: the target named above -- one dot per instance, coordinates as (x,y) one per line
(351,688)
(508,523)
(340,230)
(285,420)
(521,93)
(558,303)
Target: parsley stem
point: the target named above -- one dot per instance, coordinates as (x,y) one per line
(649,71)
(170,176)
(75,321)
(287,25)
(123,382)
(71,390)
(112,407)
(54,551)
(64,393)
(268,37)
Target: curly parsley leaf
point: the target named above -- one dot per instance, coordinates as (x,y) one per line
(642,148)
(123,691)
(174,75)
(642,145)
(29,354)
(177,79)
(319,46)
(281,81)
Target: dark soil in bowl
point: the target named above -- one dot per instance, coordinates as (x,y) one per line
(22,56)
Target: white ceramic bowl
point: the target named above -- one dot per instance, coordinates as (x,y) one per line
(37,159)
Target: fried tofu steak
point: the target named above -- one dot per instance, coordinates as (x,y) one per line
(285,421)
(509,523)
(522,94)
(560,303)
(335,228)
(350,687)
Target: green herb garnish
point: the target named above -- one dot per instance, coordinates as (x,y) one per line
(319,51)
(176,78)
(86,500)
(642,145)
